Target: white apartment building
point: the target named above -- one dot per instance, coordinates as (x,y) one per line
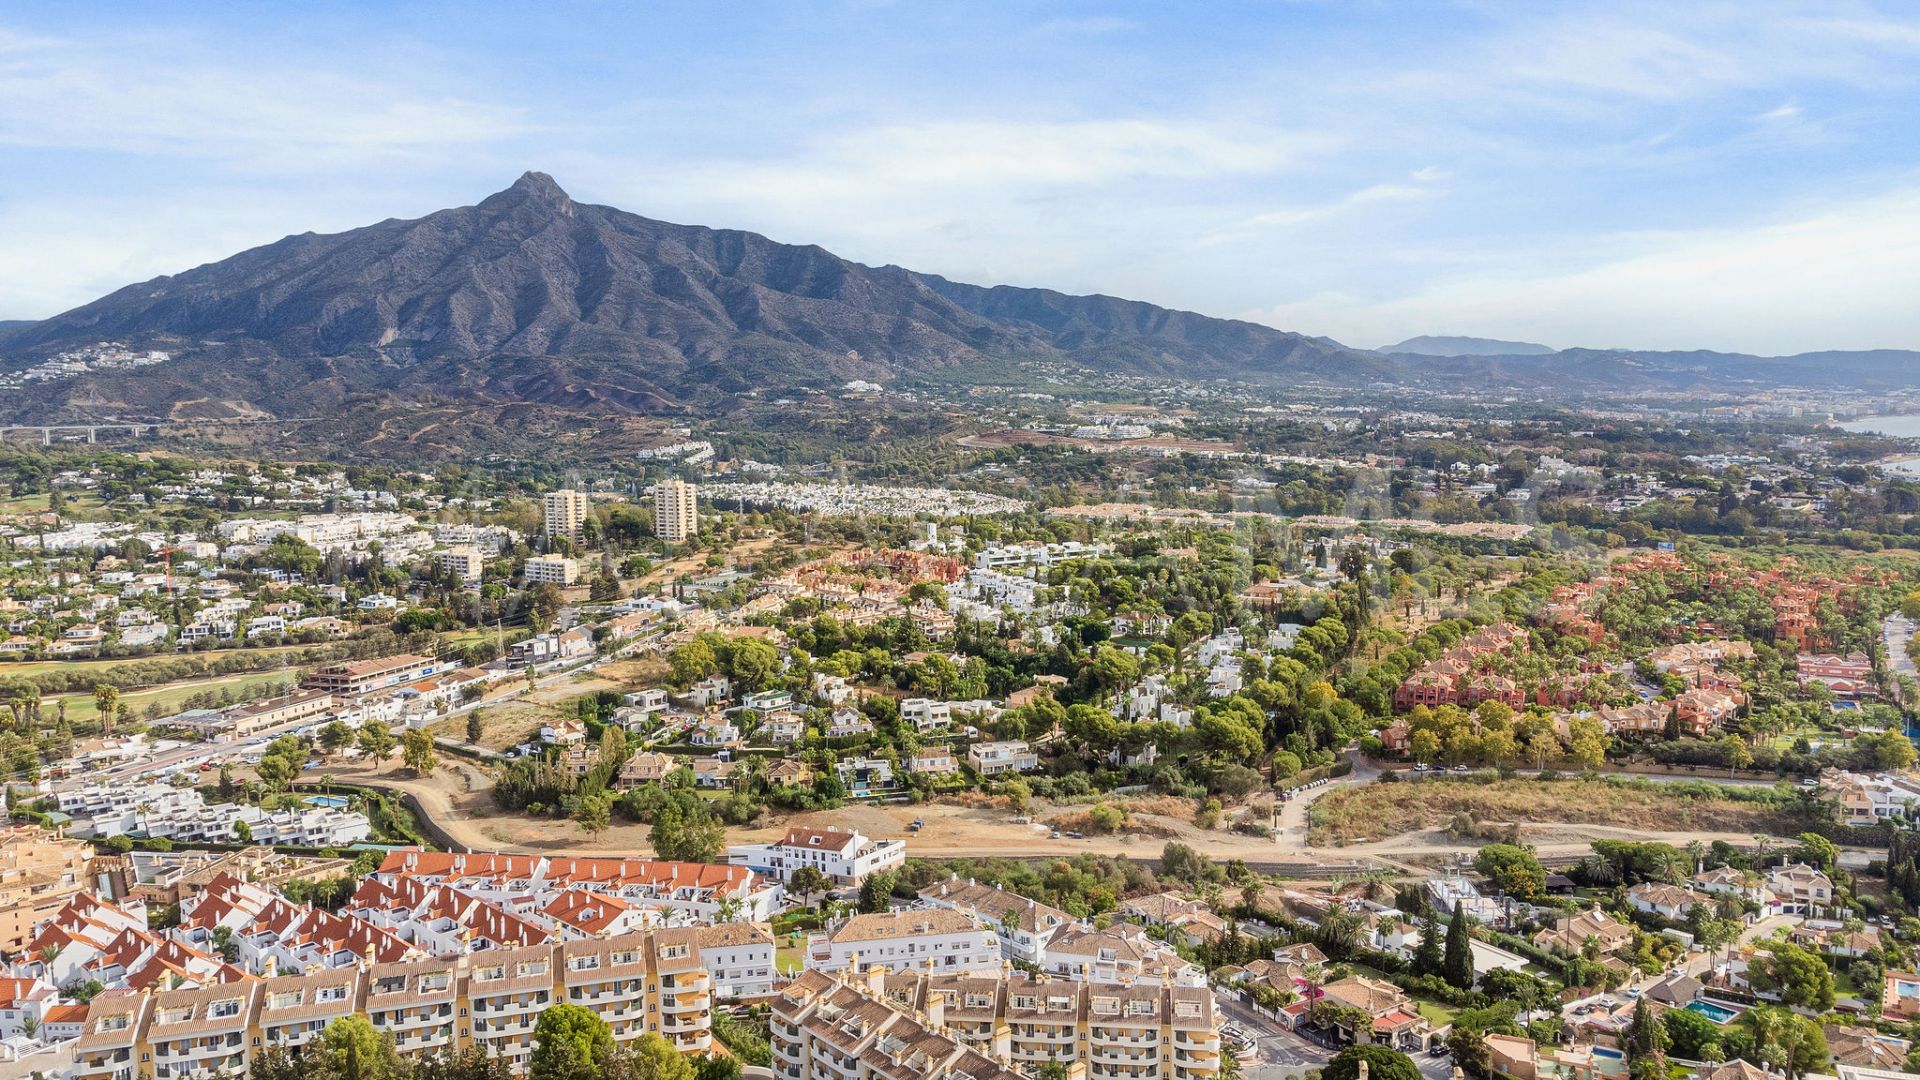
(563,512)
(937,939)
(676,513)
(846,858)
(462,563)
(552,570)
(1023,926)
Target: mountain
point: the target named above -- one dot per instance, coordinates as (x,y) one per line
(530,297)
(1430,345)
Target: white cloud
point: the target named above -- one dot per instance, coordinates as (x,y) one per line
(1782,113)
(990,154)
(1838,277)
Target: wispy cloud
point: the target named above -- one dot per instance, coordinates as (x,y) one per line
(1745,288)
(158,96)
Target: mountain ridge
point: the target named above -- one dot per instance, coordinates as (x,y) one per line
(528,286)
(529,298)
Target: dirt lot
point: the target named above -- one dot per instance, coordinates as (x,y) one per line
(1377,811)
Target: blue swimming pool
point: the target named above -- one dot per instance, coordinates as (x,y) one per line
(1719,1014)
(1608,1052)
(329,802)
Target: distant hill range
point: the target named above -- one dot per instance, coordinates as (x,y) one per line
(532,297)
(530,300)
(1432,345)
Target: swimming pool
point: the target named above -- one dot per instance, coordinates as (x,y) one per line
(1719,1014)
(1608,1052)
(329,802)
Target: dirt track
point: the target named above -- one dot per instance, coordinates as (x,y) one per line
(457,797)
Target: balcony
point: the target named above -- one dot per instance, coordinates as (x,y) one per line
(501,1029)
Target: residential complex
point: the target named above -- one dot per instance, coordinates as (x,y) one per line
(989,1027)
(651,982)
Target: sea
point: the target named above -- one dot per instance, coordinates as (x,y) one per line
(1899,427)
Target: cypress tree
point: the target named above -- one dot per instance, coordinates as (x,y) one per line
(1457,968)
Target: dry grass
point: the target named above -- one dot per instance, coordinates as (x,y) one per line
(1377,811)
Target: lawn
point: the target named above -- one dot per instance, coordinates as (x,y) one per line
(787,961)
(1435,1013)
(80,707)
(1376,811)
(24,668)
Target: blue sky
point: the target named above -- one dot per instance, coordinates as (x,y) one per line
(1741,176)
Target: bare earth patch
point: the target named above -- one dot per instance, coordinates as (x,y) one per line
(1375,811)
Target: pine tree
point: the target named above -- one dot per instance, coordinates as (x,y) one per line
(1426,955)
(1457,967)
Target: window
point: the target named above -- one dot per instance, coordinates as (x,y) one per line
(284,999)
(392,984)
(629,956)
(590,962)
(491,974)
(116,1022)
(532,967)
(227,1007)
(330,993)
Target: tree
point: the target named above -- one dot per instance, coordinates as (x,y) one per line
(106,699)
(416,749)
(1457,966)
(753,663)
(1735,753)
(1182,863)
(685,830)
(1513,870)
(277,771)
(594,813)
(358,1051)
(715,1067)
(1427,959)
(476,727)
(1785,1040)
(805,882)
(876,892)
(570,1043)
(1588,742)
(654,1058)
(1383,1063)
(1646,1037)
(376,741)
(1799,976)
(335,736)
(242,831)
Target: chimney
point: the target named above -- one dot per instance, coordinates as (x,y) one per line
(877,980)
(937,1011)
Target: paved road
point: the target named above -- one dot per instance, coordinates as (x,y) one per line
(1279,1054)
(1895,633)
